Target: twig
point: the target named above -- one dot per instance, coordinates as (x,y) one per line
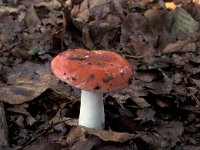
(3,127)
(133,57)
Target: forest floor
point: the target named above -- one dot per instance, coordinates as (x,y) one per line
(160,110)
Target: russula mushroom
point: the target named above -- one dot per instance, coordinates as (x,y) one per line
(94,72)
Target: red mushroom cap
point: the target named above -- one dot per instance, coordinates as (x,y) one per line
(97,70)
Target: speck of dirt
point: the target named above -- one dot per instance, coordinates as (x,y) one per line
(88,63)
(73,78)
(122,73)
(91,77)
(97,87)
(76,57)
(108,78)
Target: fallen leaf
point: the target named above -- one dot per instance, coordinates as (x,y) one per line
(135,93)
(195,59)
(10,9)
(58,118)
(99,9)
(193,9)
(180,46)
(20,121)
(145,76)
(26,82)
(135,38)
(161,86)
(19,109)
(31,18)
(45,146)
(52,4)
(188,67)
(171,133)
(74,134)
(127,124)
(21,53)
(81,13)
(90,143)
(178,77)
(86,38)
(141,102)
(102,134)
(165,138)
(157,22)
(178,60)
(109,135)
(146,114)
(196,82)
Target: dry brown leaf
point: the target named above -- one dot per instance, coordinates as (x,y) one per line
(36,41)
(20,121)
(136,38)
(161,103)
(45,146)
(109,135)
(86,38)
(178,77)
(196,82)
(157,21)
(145,76)
(26,82)
(8,29)
(19,109)
(171,133)
(102,134)
(161,86)
(31,18)
(70,121)
(146,114)
(136,94)
(180,46)
(141,102)
(99,9)
(113,20)
(195,59)
(178,60)
(10,9)
(174,47)
(81,13)
(188,67)
(165,137)
(57,119)
(135,90)
(21,53)
(193,9)
(53,4)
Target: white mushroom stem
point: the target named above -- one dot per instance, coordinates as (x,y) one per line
(92,110)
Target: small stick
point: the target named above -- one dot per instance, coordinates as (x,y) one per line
(133,57)
(3,127)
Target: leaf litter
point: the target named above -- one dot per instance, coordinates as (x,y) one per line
(159,110)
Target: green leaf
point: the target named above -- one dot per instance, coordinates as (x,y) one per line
(182,21)
(33,51)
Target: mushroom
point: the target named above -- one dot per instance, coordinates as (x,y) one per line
(94,72)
